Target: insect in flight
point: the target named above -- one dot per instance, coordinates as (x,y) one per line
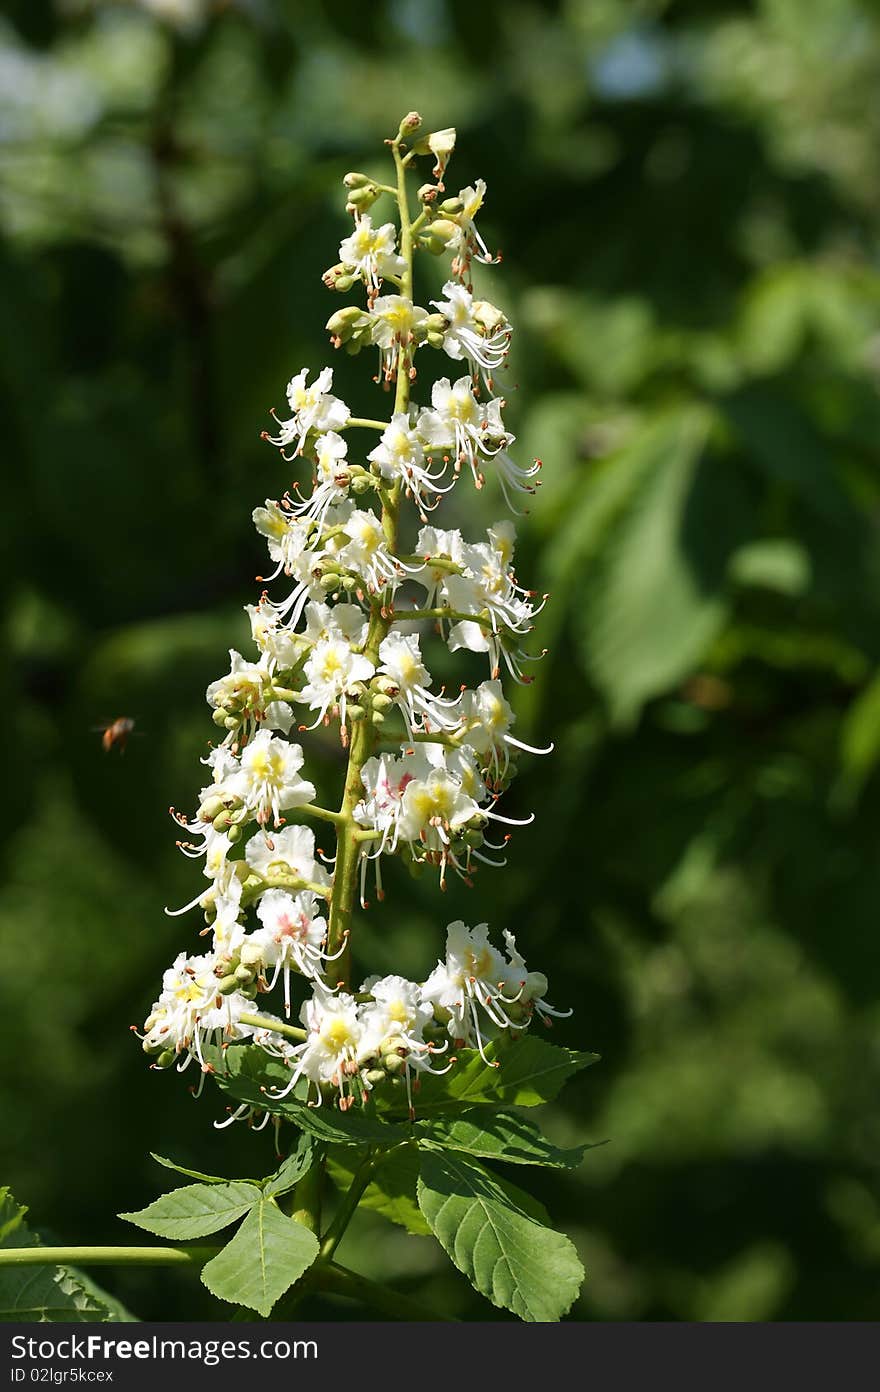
(116,734)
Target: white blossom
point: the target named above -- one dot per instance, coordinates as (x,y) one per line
(401,455)
(267,780)
(475,330)
(370,252)
(313,407)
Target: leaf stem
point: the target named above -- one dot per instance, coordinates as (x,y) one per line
(338,1280)
(359,1181)
(106,1256)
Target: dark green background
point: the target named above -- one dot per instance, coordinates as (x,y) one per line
(688,199)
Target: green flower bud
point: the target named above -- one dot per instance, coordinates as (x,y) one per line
(243,975)
(375,1075)
(381,702)
(210,808)
(356,181)
(362,199)
(438,235)
(218,716)
(451,207)
(410,123)
(434,340)
(165,1059)
(251,956)
(221,822)
(355,712)
(228,985)
(330,580)
(234,832)
(346,322)
(427,193)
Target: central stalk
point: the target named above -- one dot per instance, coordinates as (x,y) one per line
(363,736)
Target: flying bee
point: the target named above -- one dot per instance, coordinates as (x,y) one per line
(115,735)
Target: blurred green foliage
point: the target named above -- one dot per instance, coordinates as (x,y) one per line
(688,198)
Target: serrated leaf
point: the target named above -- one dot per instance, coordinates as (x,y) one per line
(268,1253)
(191,1174)
(530,1071)
(41,1294)
(249,1075)
(511,1259)
(298,1163)
(497,1135)
(195,1210)
(392,1191)
(117,1313)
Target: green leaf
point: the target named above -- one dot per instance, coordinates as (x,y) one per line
(248,1074)
(530,1071)
(195,1210)
(298,1163)
(656,599)
(775,563)
(268,1253)
(392,1190)
(191,1174)
(42,1294)
(860,740)
(117,1313)
(508,1257)
(499,1136)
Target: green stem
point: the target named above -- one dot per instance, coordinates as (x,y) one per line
(344,1214)
(338,1280)
(106,1256)
(441,612)
(366,423)
(363,735)
(323,814)
(260,1022)
(307,1197)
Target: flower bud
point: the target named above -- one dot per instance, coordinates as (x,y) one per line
(165,1059)
(427,193)
(338,278)
(394,1063)
(243,975)
(451,207)
(346,321)
(362,199)
(356,181)
(228,986)
(438,235)
(210,808)
(375,1075)
(410,123)
(251,956)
